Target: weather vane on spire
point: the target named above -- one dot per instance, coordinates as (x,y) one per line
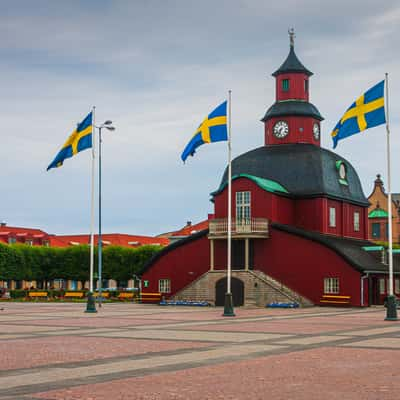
(291,36)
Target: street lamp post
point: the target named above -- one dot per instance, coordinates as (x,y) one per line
(108,125)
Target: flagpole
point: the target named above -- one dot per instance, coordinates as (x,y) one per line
(91,306)
(391,311)
(228,306)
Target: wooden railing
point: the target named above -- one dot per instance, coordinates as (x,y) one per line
(243,227)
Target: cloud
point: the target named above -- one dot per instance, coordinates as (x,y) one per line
(156,69)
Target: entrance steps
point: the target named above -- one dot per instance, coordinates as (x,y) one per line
(259,289)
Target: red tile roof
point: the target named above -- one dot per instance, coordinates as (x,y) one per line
(189,229)
(18,230)
(21,235)
(115,239)
(37,235)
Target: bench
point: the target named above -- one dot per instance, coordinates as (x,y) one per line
(78,295)
(150,297)
(105,295)
(37,294)
(125,295)
(335,299)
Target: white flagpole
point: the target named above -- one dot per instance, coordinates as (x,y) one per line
(92,203)
(391,303)
(228,308)
(229,199)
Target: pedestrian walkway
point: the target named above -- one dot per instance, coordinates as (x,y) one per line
(131,351)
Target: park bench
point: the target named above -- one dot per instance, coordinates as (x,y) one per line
(125,295)
(335,299)
(150,297)
(105,295)
(76,295)
(37,294)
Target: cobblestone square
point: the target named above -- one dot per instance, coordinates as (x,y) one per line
(132,351)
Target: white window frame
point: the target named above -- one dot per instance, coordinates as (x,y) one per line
(382,285)
(12,240)
(332,217)
(243,207)
(356,221)
(331,286)
(29,242)
(164,285)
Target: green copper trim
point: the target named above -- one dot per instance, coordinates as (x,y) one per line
(378,213)
(372,248)
(343,182)
(265,184)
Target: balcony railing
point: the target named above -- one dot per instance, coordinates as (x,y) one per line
(252,227)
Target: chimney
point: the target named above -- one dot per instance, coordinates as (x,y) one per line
(2,224)
(189,223)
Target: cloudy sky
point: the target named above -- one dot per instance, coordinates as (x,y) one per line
(157,68)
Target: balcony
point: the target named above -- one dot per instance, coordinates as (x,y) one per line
(246,228)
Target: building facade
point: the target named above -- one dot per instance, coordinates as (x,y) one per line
(300,219)
(378,214)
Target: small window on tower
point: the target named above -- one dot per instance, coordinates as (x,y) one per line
(306,85)
(285,85)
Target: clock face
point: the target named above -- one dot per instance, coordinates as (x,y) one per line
(281,129)
(342,171)
(316,131)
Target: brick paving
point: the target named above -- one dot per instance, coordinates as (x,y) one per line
(130,351)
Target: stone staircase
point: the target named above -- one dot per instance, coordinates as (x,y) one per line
(259,289)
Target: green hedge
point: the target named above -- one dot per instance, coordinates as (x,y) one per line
(22,262)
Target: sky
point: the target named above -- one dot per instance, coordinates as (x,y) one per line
(156,69)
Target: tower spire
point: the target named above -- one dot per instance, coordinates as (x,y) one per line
(291,37)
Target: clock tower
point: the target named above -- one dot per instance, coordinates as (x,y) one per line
(292,118)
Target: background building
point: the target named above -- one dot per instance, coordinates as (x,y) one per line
(378,214)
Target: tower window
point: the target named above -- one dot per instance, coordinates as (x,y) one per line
(285,85)
(306,85)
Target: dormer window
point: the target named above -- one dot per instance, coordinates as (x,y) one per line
(285,85)
(243,207)
(306,85)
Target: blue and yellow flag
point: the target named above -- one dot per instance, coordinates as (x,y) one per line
(212,129)
(366,112)
(80,139)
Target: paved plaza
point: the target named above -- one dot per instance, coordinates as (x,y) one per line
(132,351)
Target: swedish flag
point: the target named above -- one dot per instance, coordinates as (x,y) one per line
(212,129)
(80,139)
(366,112)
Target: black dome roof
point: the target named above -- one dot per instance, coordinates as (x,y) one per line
(292,64)
(303,169)
(292,107)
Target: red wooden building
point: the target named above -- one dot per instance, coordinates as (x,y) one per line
(300,225)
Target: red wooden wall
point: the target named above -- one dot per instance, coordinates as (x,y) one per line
(181,265)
